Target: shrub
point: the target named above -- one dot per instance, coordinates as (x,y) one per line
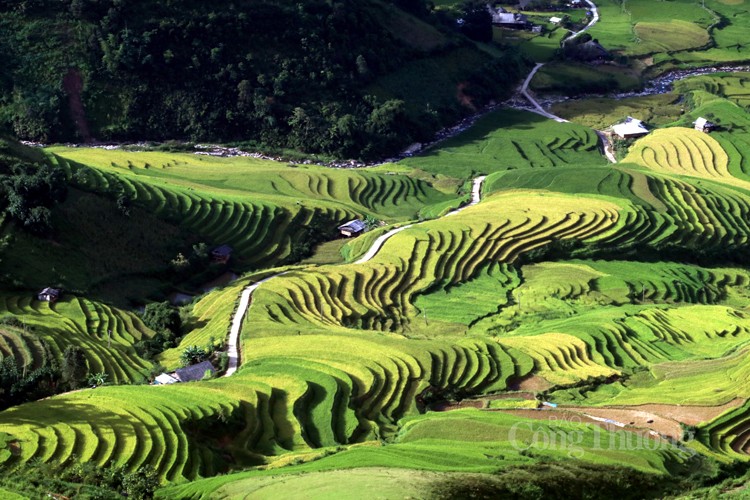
(193,355)
(161,317)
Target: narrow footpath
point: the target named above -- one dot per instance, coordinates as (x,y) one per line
(247,293)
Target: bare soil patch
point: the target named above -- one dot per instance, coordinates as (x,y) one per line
(662,418)
(73,85)
(532,383)
(457,405)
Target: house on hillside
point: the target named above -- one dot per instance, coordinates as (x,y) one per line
(555,20)
(193,373)
(495,12)
(352,228)
(165,379)
(704,125)
(630,128)
(221,254)
(50,295)
(511,20)
(589,51)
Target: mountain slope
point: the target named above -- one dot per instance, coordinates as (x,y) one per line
(323,77)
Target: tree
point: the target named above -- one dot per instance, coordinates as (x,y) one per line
(74,366)
(97,379)
(141,484)
(31,192)
(371,222)
(193,355)
(162,317)
(477,23)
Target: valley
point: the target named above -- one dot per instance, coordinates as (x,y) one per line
(552,297)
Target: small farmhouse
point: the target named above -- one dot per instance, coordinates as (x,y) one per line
(49,295)
(511,20)
(495,12)
(194,373)
(221,254)
(165,379)
(352,228)
(630,128)
(704,125)
(591,50)
(555,20)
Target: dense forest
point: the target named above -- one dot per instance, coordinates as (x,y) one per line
(345,78)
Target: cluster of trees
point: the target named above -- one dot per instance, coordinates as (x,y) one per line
(18,385)
(82,481)
(321,228)
(476,20)
(194,354)
(166,321)
(29,191)
(284,74)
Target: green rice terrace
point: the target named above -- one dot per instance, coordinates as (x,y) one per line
(530,307)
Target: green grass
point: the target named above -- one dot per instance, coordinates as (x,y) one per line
(576,79)
(640,27)
(466,441)
(600,113)
(98,252)
(729,37)
(510,139)
(540,47)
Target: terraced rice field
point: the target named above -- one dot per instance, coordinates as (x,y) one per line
(378,295)
(639,27)
(350,190)
(106,335)
(685,152)
(511,140)
(572,280)
(733,86)
(466,441)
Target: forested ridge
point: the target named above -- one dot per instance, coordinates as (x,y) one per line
(343,78)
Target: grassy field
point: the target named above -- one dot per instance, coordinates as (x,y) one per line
(640,27)
(575,79)
(676,34)
(730,43)
(466,441)
(510,139)
(600,113)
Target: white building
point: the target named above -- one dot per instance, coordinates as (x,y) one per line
(630,128)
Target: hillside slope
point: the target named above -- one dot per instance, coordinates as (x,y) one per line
(324,77)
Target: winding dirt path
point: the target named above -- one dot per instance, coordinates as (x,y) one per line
(538,109)
(571,36)
(247,293)
(234,331)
